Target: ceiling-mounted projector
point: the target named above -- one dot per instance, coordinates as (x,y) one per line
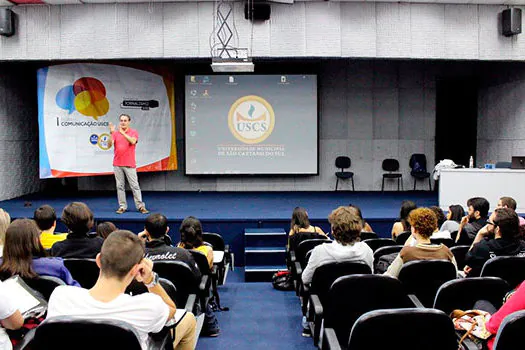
(232,65)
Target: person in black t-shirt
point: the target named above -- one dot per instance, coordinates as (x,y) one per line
(157,249)
(78,218)
(476,218)
(503,226)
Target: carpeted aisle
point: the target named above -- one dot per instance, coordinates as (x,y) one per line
(260,317)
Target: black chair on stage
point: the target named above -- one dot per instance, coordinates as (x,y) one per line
(376,243)
(405,329)
(510,333)
(418,166)
(460,251)
(322,279)
(349,297)
(424,277)
(402,237)
(85,271)
(509,268)
(463,293)
(64,333)
(342,163)
(392,166)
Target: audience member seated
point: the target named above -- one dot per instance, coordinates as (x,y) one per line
(366,226)
(25,256)
(300,228)
(403,225)
(436,234)
(515,302)
(46,219)
(440,215)
(423,223)
(499,237)
(476,218)
(191,238)
(78,218)
(121,261)
(346,226)
(105,228)
(10,316)
(509,202)
(5,220)
(155,229)
(454,215)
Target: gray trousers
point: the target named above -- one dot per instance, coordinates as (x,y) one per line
(121,174)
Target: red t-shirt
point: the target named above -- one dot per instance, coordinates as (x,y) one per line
(124,150)
(515,303)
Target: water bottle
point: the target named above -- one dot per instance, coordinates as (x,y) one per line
(471,162)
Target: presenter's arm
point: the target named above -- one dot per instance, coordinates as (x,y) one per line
(130,139)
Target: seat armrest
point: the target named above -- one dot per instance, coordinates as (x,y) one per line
(25,342)
(298,269)
(330,341)
(190,303)
(416,301)
(316,305)
(204,283)
(306,288)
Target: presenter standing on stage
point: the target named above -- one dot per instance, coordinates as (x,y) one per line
(124,164)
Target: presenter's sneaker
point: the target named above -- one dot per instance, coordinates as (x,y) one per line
(120,210)
(143,210)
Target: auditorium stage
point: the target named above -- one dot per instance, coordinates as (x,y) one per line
(229,213)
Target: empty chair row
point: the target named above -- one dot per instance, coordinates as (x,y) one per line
(417,163)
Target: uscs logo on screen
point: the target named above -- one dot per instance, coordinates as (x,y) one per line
(251,119)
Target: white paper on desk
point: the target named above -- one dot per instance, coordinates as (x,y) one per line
(23,299)
(179,314)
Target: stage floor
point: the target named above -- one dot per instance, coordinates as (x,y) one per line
(230,213)
(218,206)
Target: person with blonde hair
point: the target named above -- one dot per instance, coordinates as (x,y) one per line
(346,226)
(423,222)
(5,220)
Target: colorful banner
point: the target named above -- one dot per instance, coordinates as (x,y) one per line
(76,103)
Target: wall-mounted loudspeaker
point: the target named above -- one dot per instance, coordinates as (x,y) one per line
(511,21)
(257,11)
(7,22)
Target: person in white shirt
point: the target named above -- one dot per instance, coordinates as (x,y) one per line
(10,317)
(346,226)
(121,260)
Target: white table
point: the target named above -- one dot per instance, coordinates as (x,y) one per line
(456,186)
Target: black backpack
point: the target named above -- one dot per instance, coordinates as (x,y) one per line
(282,280)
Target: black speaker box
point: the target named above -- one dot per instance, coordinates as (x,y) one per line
(257,11)
(511,21)
(7,22)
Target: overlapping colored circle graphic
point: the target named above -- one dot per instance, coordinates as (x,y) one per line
(87,95)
